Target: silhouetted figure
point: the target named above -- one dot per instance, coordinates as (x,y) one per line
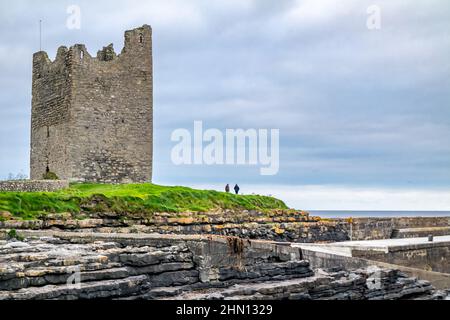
(236,189)
(227,188)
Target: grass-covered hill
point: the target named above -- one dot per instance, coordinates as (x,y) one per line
(139,199)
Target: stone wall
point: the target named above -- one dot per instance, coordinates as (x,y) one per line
(385,228)
(421,232)
(430,257)
(50,115)
(92,116)
(33,185)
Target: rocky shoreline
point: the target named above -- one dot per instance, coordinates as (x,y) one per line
(274,225)
(62,265)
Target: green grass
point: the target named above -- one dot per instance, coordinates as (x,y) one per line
(141,199)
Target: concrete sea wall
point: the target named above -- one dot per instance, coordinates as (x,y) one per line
(431,257)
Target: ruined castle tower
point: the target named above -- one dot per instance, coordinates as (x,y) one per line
(92,116)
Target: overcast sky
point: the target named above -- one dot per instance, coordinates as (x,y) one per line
(364,115)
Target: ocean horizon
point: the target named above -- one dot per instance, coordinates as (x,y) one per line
(376,214)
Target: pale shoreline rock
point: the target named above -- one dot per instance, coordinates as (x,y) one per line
(185,268)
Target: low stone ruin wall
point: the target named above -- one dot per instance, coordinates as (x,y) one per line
(33,185)
(62,265)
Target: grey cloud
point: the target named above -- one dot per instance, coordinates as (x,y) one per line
(353,106)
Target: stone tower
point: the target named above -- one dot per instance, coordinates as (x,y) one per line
(92,117)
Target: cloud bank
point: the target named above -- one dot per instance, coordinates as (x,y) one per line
(356,108)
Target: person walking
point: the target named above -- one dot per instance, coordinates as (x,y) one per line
(236,189)
(227,188)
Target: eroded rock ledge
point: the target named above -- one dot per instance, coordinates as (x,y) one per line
(276,225)
(48,265)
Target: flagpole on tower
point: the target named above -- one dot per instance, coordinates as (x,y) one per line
(40,35)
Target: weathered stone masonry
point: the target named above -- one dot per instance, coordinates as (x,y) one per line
(33,185)
(92,116)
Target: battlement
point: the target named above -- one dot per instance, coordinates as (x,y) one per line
(136,41)
(86,111)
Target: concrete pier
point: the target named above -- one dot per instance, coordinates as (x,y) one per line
(416,256)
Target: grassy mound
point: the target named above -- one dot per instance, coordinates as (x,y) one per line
(130,199)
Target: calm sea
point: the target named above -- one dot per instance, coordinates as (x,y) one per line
(383,214)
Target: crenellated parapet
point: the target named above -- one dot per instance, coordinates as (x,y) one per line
(137,42)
